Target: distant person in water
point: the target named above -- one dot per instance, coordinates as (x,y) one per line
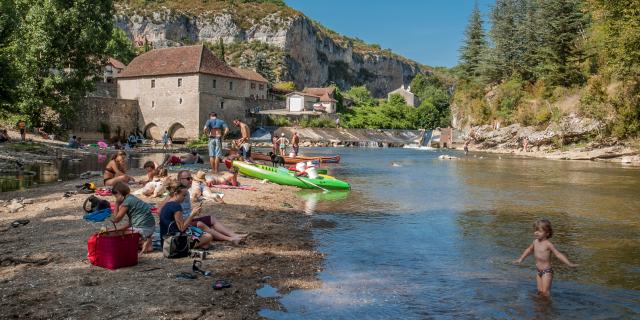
(542,249)
(282,144)
(525,144)
(466,147)
(165,140)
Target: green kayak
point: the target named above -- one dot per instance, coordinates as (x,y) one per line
(285,177)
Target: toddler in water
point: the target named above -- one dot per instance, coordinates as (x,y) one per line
(542,249)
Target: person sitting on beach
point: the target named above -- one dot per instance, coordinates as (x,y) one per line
(542,249)
(153,171)
(116,170)
(73,143)
(172,218)
(200,188)
(4,135)
(191,158)
(157,183)
(79,140)
(139,213)
(43,134)
(208,224)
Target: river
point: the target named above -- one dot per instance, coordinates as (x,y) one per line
(419,238)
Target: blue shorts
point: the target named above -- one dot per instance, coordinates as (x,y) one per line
(215,147)
(245,150)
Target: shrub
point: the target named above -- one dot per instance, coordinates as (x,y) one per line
(280,121)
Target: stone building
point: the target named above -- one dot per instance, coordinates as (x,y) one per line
(312,99)
(410,98)
(176,89)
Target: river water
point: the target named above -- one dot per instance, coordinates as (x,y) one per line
(420,238)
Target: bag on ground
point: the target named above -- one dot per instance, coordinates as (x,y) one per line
(113,249)
(175,246)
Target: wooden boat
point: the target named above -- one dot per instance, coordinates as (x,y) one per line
(294,160)
(285,177)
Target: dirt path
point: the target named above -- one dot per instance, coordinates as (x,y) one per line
(44,273)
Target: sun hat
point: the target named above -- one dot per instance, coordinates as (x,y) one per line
(200,176)
(282,134)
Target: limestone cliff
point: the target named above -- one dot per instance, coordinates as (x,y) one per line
(299,49)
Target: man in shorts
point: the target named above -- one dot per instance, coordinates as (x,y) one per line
(243,142)
(216,129)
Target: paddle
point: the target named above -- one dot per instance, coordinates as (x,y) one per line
(285,170)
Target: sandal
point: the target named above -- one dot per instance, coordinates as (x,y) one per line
(186,275)
(196,268)
(18,223)
(221,284)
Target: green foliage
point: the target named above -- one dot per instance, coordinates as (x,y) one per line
(120,47)
(593,102)
(285,86)
(8,76)
(219,50)
(318,122)
(360,96)
(475,45)
(627,106)
(280,121)
(62,45)
(201,142)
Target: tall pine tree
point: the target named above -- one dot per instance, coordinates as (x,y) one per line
(561,24)
(474,47)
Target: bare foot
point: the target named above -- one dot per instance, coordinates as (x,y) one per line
(235,240)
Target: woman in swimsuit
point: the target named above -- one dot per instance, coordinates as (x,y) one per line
(225,178)
(116,170)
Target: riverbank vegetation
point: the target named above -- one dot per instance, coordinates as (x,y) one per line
(393,113)
(541,60)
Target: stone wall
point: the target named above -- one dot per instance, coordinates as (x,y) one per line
(119,115)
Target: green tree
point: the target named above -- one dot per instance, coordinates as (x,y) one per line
(263,68)
(474,47)
(220,50)
(8,75)
(562,22)
(120,46)
(62,46)
(360,96)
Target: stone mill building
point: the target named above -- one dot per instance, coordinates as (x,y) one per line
(176,89)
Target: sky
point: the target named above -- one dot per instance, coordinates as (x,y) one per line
(427,31)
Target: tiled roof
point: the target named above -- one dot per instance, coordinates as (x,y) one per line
(326,98)
(116,63)
(177,60)
(320,91)
(250,75)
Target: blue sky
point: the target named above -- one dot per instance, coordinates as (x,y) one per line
(428,31)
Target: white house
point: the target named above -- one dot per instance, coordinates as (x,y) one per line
(312,99)
(406,93)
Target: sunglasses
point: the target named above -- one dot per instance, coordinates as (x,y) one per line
(188,178)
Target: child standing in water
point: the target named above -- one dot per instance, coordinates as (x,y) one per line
(542,249)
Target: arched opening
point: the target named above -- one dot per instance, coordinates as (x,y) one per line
(177,132)
(152,131)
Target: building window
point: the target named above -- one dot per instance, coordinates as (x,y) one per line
(214,83)
(180,100)
(253,85)
(261,86)
(153,104)
(221,104)
(230,85)
(153,83)
(179,82)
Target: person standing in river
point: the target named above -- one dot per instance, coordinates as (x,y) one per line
(22,126)
(542,249)
(295,143)
(216,129)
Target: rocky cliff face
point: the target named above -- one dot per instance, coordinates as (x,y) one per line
(310,57)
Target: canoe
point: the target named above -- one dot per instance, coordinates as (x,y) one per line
(285,177)
(291,160)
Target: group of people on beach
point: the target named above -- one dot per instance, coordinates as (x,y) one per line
(177,214)
(279,144)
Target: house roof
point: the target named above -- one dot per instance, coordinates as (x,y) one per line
(320,91)
(116,63)
(326,98)
(250,75)
(177,60)
(301,94)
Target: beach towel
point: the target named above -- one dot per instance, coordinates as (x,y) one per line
(98,216)
(224,186)
(104,192)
